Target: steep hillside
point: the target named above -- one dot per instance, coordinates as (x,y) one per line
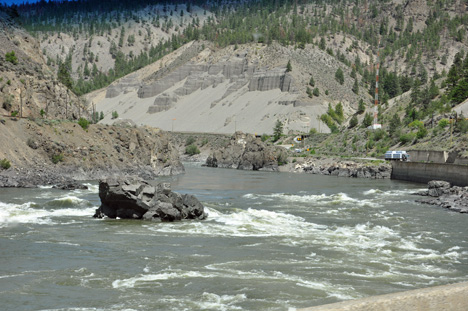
(203,89)
(219,66)
(25,79)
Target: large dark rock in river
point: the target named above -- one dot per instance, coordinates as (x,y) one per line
(454,198)
(245,152)
(137,199)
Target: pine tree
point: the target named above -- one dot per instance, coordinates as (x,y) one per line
(367,121)
(277,130)
(312,81)
(361,106)
(353,122)
(63,76)
(289,66)
(395,123)
(339,76)
(355,87)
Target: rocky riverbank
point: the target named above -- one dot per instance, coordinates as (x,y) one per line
(441,194)
(56,152)
(340,168)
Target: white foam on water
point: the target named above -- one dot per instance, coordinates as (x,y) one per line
(243,223)
(228,270)
(338,199)
(372,191)
(116,308)
(150,278)
(68,201)
(10,276)
(207,301)
(92,188)
(13,214)
(211,301)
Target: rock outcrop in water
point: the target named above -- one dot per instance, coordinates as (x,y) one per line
(245,152)
(138,199)
(454,198)
(344,169)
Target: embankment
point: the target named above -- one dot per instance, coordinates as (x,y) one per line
(46,152)
(447,297)
(456,175)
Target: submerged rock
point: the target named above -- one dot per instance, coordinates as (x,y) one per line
(454,198)
(138,199)
(72,185)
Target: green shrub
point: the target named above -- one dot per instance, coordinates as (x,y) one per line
(83,123)
(265,137)
(282,159)
(416,123)
(14,113)
(422,132)
(379,134)
(5,164)
(11,57)
(56,158)
(115,115)
(190,141)
(407,138)
(192,150)
(462,126)
(204,142)
(443,123)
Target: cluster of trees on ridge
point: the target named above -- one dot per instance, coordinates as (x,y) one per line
(285,21)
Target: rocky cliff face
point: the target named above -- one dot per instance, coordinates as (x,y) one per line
(29,83)
(245,152)
(46,152)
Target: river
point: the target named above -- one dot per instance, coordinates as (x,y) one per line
(272,241)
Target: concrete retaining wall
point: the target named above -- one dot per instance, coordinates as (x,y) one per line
(428,156)
(457,175)
(447,297)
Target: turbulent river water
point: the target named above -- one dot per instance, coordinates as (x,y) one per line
(272,241)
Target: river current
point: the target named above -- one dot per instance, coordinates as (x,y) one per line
(272,241)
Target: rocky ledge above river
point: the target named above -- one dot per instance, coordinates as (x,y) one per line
(443,195)
(138,199)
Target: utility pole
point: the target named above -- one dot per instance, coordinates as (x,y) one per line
(376,101)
